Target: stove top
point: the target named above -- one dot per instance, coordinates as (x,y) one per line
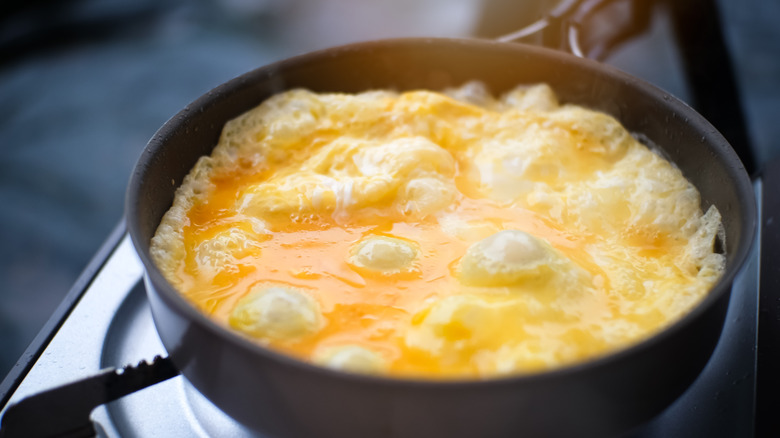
(107,322)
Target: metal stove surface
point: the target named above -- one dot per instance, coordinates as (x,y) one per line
(111,326)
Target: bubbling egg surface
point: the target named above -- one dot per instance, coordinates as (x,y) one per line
(437,235)
(276,313)
(509,257)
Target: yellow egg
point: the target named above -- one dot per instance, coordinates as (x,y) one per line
(444,235)
(351,358)
(226,247)
(276,313)
(506,258)
(384,255)
(456,323)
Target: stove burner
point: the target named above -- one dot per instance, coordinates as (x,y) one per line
(172,408)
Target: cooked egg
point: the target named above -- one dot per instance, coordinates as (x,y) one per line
(459,323)
(276,313)
(225,248)
(384,255)
(506,258)
(352,358)
(489,335)
(441,235)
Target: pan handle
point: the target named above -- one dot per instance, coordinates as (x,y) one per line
(573,26)
(64,411)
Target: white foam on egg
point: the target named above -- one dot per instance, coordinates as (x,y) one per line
(276,313)
(225,249)
(413,174)
(384,255)
(472,92)
(500,169)
(404,156)
(427,195)
(340,189)
(351,358)
(506,258)
(467,230)
(539,97)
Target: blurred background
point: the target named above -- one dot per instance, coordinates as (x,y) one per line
(85,83)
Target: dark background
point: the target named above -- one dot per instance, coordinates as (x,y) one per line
(85,83)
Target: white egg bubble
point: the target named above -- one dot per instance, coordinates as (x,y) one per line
(226,248)
(428,195)
(472,92)
(538,97)
(468,230)
(351,358)
(276,313)
(505,258)
(386,255)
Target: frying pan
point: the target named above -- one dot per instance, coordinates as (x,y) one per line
(283,397)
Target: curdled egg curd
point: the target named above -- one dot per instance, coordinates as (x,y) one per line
(437,235)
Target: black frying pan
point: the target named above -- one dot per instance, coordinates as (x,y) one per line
(284,397)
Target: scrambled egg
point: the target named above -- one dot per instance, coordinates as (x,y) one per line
(437,234)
